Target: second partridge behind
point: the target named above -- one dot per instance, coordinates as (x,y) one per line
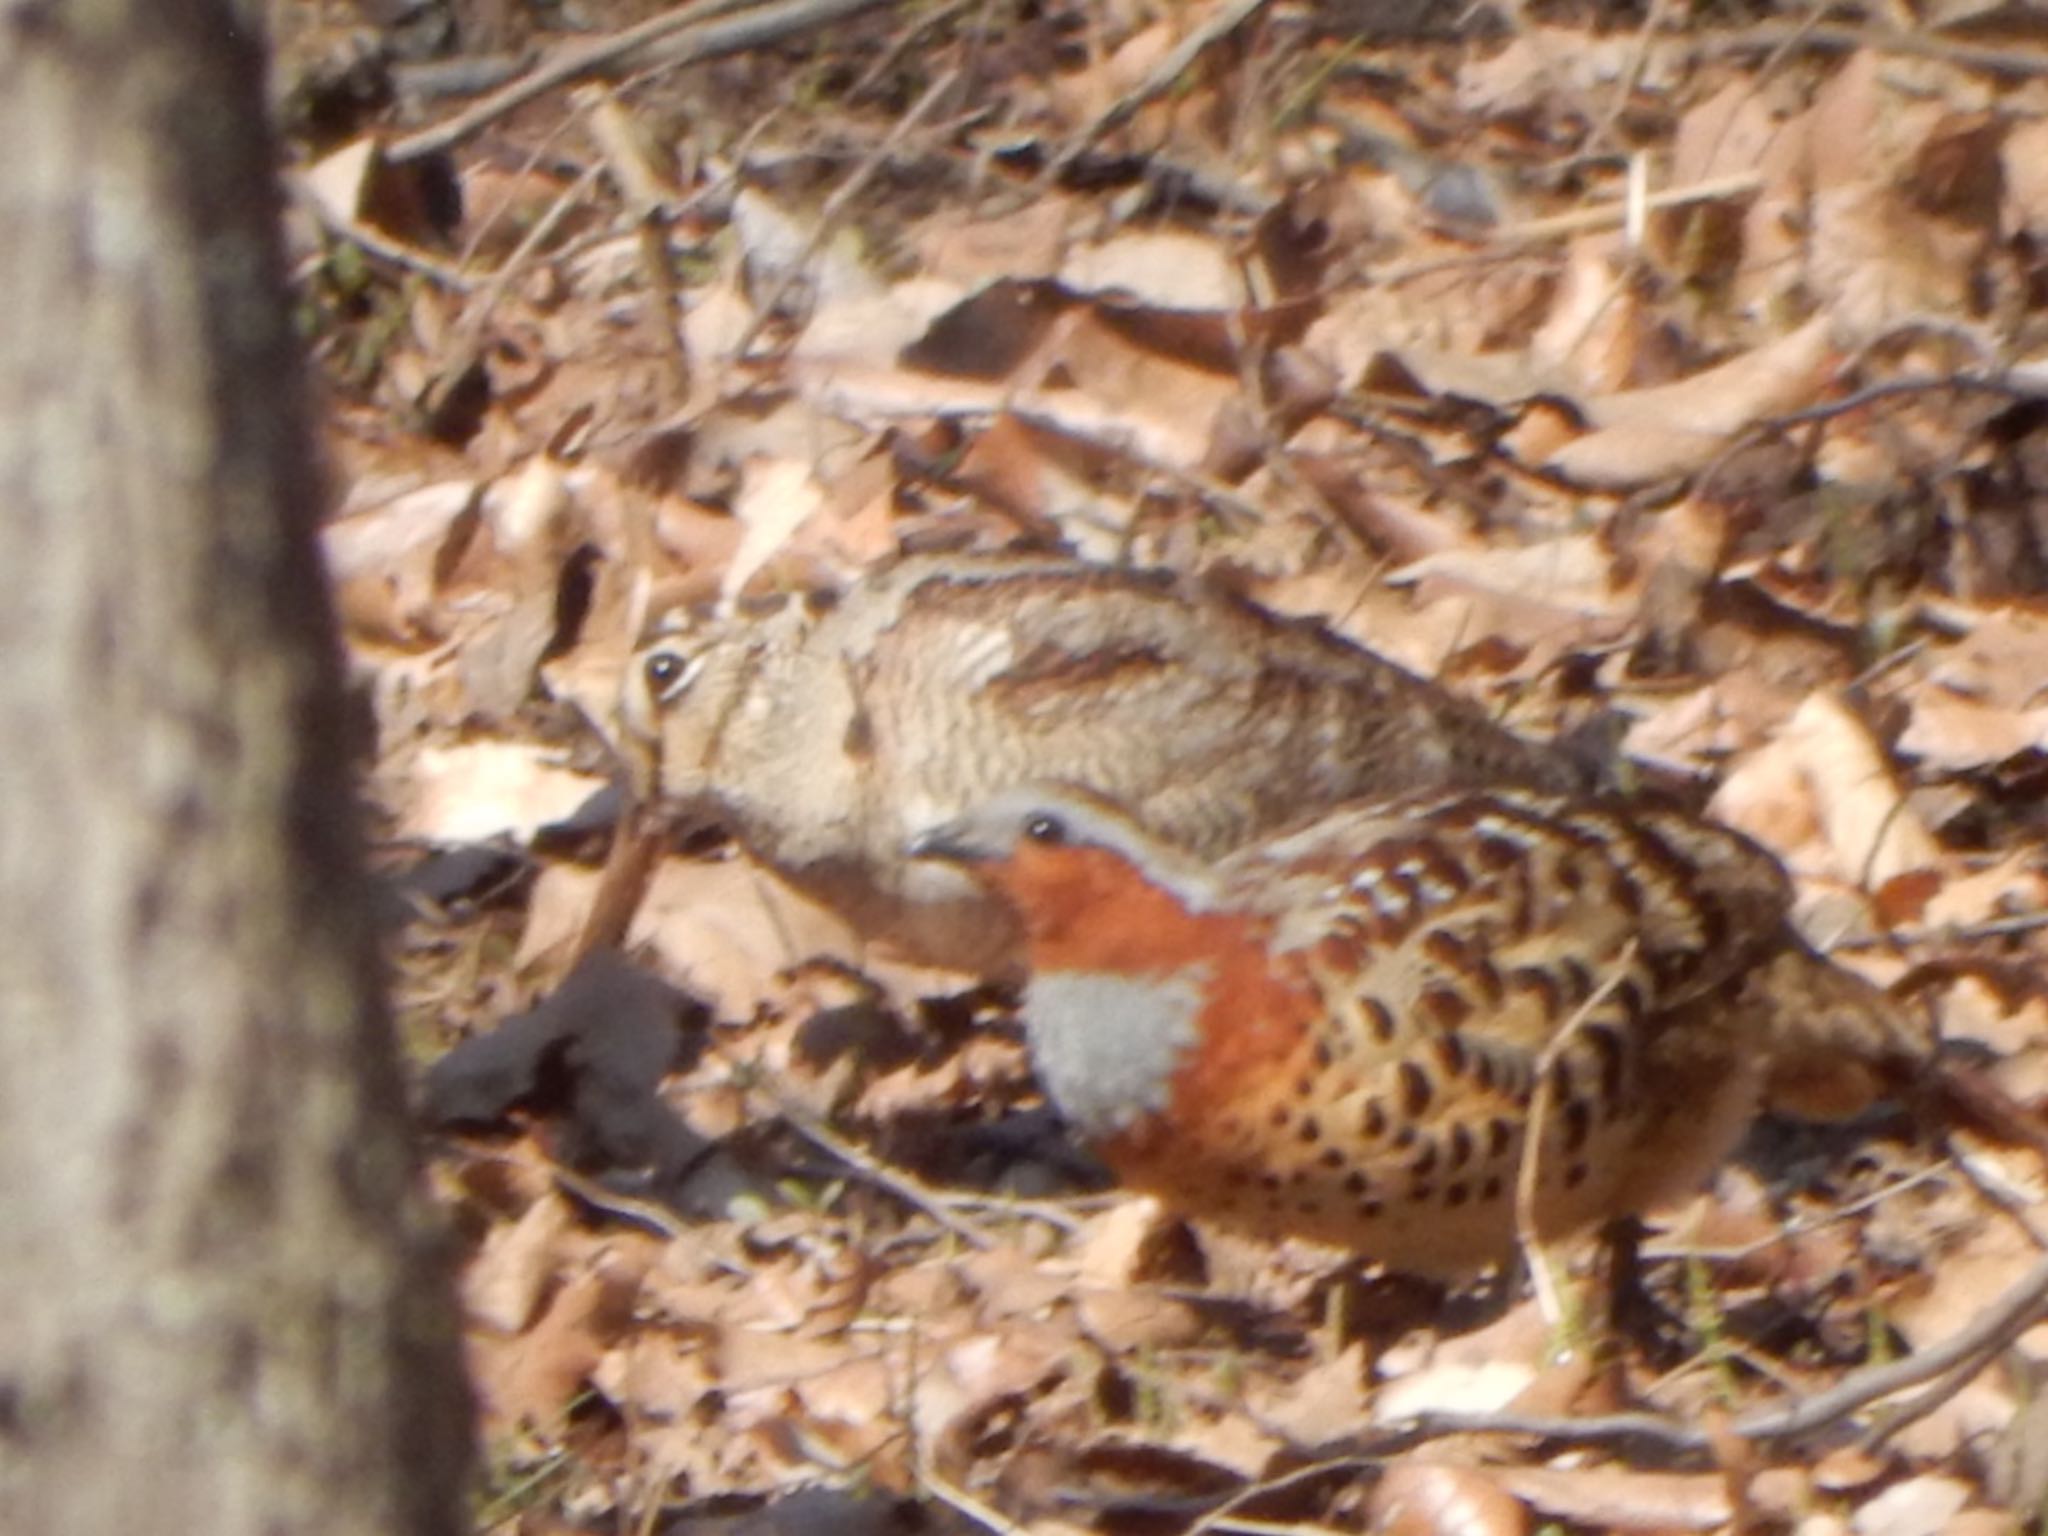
(826,734)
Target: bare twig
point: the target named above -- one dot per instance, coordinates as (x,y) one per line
(1542,1109)
(835,209)
(757,25)
(1991,58)
(397,252)
(911,1191)
(1948,934)
(1160,80)
(1966,1351)
(1614,214)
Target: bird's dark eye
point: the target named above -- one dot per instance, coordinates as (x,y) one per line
(1043,827)
(667,673)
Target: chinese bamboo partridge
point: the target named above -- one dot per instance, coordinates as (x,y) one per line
(1348,1031)
(826,734)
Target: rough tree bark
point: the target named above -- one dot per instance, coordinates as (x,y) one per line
(222,1312)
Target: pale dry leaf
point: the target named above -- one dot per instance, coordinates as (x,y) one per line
(777,244)
(1548,63)
(531,515)
(1014,1283)
(1164,268)
(1729,131)
(777,497)
(727,928)
(1920,1506)
(1453,1387)
(339,181)
(658,1374)
(758,1357)
(853,1405)
(502,1286)
(1779,375)
(533,1378)
(1569,575)
(1971,1010)
(1597,327)
(1422,1498)
(1634,453)
(713,325)
(1989,1257)
(871,329)
(478,791)
(557,910)
(1136,1322)
(1684,731)
(1950,732)
(1163,403)
(2001,657)
(972,247)
(1877,261)
(498,661)
(1024,1357)
(1331,1399)
(1984,1522)
(1081,95)
(1228,1440)
(386,561)
(1109,1249)
(2024,157)
(1622,1499)
(1871,829)
(1672,428)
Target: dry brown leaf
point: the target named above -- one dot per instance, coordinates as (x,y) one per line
(482,790)
(2001,658)
(1729,131)
(2016,883)
(387,561)
(1420,1498)
(1597,328)
(1971,1010)
(1672,428)
(1872,831)
(1127,1323)
(972,246)
(532,1378)
(1165,268)
(1113,1249)
(1621,1499)
(502,1286)
(1920,1506)
(726,929)
(2024,158)
(1448,1386)
(1571,576)
(1328,1401)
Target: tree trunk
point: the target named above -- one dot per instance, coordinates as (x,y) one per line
(222,1311)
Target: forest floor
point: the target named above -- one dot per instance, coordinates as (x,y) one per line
(1683,367)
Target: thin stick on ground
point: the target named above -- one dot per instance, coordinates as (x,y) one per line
(1156,83)
(836,206)
(1542,1108)
(751,28)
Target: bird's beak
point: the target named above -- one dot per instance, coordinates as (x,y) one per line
(950,840)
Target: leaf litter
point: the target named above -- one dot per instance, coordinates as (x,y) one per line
(1611,363)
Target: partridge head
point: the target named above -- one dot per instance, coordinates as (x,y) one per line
(825,734)
(1358,1029)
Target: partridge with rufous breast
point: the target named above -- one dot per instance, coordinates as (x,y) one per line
(1354,1031)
